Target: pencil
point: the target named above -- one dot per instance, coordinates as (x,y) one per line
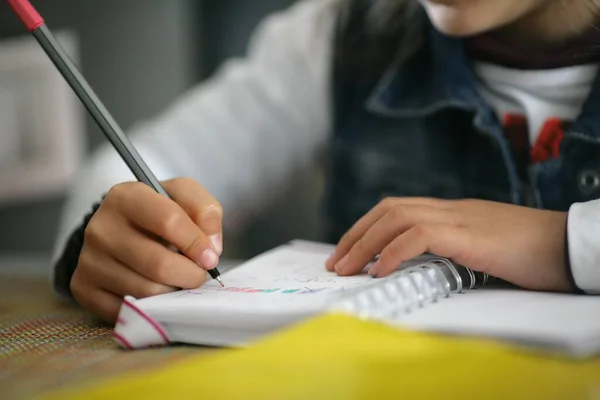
(37,27)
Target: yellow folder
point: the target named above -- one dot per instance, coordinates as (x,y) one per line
(341,357)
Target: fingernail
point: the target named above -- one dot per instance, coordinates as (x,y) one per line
(374,270)
(339,267)
(217,241)
(329,260)
(209,259)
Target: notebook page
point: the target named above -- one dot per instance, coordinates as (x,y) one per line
(544,319)
(278,286)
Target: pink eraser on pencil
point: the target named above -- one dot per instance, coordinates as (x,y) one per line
(27,13)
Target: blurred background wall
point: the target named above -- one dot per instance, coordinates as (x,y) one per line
(139,55)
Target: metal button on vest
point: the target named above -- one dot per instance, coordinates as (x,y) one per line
(589,181)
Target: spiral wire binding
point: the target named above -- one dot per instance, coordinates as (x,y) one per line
(410,289)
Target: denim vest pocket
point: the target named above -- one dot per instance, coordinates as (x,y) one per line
(571,178)
(441,157)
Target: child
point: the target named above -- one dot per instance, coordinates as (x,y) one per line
(465,128)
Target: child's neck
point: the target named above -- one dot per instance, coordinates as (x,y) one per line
(497,49)
(556,34)
(551,23)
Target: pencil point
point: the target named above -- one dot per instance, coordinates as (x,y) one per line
(218,278)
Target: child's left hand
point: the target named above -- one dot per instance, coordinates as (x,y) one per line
(521,245)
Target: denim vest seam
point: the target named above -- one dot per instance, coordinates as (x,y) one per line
(582,136)
(375,105)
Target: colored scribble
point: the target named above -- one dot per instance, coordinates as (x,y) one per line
(304,290)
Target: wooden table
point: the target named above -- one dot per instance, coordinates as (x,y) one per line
(46,344)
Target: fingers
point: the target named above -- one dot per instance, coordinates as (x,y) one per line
(109,274)
(443,240)
(141,254)
(163,217)
(101,302)
(100,282)
(357,231)
(395,222)
(362,225)
(201,206)
(124,250)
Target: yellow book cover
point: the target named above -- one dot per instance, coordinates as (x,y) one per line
(341,357)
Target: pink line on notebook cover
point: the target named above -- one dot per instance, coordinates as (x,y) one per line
(160,331)
(123,341)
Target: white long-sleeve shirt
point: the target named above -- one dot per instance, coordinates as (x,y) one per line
(243,133)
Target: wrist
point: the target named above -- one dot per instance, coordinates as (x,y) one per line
(67,262)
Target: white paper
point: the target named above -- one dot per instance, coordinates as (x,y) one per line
(570,322)
(270,289)
(290,283)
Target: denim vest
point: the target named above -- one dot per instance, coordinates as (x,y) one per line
(424,130)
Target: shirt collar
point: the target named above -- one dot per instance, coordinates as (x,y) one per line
(437,76)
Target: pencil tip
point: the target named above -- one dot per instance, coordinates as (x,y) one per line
(218,278)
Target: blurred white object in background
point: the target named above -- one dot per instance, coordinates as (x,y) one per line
(41,121)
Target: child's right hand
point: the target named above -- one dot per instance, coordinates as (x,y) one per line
(124,250)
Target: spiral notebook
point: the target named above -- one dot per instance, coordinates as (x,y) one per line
(289,284)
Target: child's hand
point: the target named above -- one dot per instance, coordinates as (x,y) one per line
(124,249)
(521,245)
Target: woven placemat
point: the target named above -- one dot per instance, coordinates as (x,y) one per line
(46,344)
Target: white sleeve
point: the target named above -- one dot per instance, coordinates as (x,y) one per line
(583,233)
(242,133)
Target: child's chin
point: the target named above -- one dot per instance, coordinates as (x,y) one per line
(457,25)
(458,18)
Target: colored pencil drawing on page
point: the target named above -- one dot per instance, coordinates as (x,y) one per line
(306,289)
(283,278)
(253,290)
(284,288)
